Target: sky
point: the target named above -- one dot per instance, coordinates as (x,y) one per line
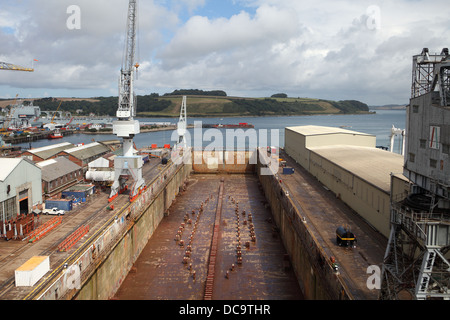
(332,49)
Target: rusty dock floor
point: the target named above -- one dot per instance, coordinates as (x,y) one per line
(217,243)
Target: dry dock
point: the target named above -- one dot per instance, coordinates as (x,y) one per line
(205,231)
(238,268)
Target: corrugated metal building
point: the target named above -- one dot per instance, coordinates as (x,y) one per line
(20,187)
(349,164)
(47,152)
(58,174)
(84,154)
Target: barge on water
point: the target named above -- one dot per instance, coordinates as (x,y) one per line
(241,125)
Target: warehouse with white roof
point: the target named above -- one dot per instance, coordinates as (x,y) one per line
(57,174)
(349,164)
(46,152)
(82,155)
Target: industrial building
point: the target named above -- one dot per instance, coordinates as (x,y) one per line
(349,164)
(82,155)
(47,152)
(20,187)
(59,174)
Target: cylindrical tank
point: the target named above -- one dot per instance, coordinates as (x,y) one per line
(100,175)
(345,237)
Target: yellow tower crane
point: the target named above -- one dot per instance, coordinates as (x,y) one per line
(13,67)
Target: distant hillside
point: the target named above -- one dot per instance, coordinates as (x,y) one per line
(208,105)
(223,106)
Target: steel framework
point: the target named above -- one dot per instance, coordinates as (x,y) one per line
(429,72)
(416,263)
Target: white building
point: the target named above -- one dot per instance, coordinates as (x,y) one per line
(20,187)
(348,163)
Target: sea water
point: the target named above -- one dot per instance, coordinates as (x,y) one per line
(378,124)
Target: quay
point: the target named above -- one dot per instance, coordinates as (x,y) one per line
(33,136)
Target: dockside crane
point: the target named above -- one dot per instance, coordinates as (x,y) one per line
(14,67)
(182,125)
(126,127)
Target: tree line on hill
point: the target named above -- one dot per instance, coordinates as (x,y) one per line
(197,92)
(152,103)
(103,106)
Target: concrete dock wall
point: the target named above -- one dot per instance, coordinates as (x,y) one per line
(224,161)
(309,261)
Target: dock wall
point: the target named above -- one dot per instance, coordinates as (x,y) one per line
(224,161)
(311,265)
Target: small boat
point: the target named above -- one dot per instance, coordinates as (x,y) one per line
(55,134)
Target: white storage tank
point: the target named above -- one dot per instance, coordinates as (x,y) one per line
(32,271)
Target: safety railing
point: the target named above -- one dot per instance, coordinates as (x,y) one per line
(44,229)
(71,240)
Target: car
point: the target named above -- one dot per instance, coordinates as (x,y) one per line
(54,211)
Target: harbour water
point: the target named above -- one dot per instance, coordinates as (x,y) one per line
(378,124)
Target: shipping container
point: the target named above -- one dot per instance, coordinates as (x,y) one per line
(79,191)
(145,158)
(61,204)
(32,271)
(288,170)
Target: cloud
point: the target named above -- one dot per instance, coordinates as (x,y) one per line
(201,37)
(86,58)
(333,49)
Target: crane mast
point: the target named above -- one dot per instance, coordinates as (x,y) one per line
(14,67)
(125,127)
(127,99)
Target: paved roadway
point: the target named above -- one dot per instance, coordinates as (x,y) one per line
(324,213)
